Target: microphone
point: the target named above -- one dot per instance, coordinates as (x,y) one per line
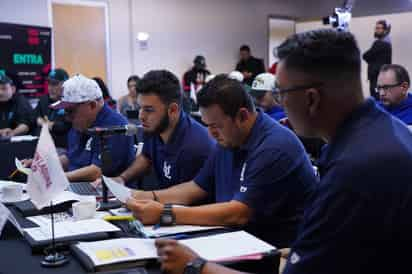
(128,130)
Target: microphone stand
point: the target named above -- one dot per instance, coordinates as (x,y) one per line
(106,159)
(53,258)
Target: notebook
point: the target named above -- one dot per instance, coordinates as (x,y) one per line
(131,252)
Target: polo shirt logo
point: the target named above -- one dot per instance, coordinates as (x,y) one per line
(294,258)
(88,145)
(242,173)
(166,170)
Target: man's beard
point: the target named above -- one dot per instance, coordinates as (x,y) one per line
(162,126)
(378,36)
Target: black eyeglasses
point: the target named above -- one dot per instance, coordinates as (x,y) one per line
(385,88)
(279,91)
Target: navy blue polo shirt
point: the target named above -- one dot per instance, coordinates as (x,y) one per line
(84,150)
(359,219)
(403,111)
(276,113)
(180,159)
(270,173)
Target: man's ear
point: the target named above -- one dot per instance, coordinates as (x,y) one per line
(173,109)
(405,88)
(243,114)
(313,101)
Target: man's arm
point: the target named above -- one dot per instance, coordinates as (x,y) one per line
(183,194)
(88,174)
(139,166)
(233,213)
(21,129)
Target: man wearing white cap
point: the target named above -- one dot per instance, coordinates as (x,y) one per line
(84,106)
(262,92)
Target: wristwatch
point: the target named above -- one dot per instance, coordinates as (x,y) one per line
(167,218)
(195,266)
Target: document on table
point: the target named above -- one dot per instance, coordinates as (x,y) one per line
(67,229)
(225,246)
(118,250)
(23,138)
(220,247)
(121,192)
(172,230)
(9,183)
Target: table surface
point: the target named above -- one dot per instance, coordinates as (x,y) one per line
(17,257)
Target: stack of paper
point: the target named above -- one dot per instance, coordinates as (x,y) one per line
(220,247)
(69,228)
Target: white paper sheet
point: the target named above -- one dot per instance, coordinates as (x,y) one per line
(121,192)
(227,245)
(20,167)
(119,250)
(23,138)
(9,183)
(65,229)
(215,248)
(172,230)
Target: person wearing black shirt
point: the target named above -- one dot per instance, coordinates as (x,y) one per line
(249,65)
(58,125)
(15,111)
(379,54)
(196,75)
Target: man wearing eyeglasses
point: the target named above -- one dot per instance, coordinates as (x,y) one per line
(358,219)
(84,107)
(393,86)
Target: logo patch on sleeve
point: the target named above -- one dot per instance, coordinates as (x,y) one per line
(294,258)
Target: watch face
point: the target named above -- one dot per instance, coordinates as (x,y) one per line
(194,267)
(167,219)
(190,269)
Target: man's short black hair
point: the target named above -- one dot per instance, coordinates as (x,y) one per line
(229,94)
(401,73)
(163,84)
(245,48)
(5,80)
(322,54)
(134,78)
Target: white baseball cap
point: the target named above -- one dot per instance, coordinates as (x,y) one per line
(78,89)
(236,75)
(264,82)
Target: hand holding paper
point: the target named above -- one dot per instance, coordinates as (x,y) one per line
(21,167)
(121,192)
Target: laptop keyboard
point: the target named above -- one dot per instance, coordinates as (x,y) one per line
(84,188)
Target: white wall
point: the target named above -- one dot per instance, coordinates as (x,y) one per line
(363,28)
(279,30)
(179,30)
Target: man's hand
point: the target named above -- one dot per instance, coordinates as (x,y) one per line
(147,211)
(98,182)
(174,256)
(6,132)
(40,121)
(27,162)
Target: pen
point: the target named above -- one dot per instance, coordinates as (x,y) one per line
(119,218)
(179,236)
(13,173)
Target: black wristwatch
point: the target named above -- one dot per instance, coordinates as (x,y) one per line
(167,218)
(195,266)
